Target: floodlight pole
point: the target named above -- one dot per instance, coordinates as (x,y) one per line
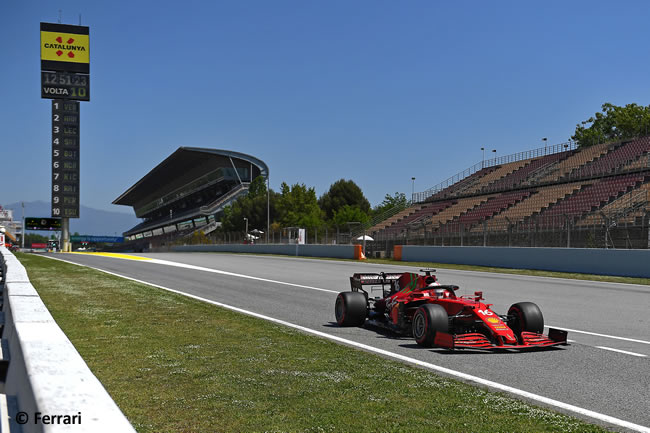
(22,241)
(412,189)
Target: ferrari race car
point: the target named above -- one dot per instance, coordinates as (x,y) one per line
(417,305)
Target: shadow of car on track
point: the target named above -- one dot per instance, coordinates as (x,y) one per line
(443,351)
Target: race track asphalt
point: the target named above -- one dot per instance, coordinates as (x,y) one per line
(587,374)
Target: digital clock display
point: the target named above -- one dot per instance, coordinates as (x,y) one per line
(65,86)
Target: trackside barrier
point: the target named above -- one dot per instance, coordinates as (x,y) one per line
(333,251)
(46,375)
(624,263)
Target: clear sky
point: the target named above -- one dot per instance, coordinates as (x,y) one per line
(369,90)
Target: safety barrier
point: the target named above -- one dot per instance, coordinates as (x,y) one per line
(332,251)
(48,387)
(625,263)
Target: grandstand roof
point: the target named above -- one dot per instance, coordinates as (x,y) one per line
(183,166)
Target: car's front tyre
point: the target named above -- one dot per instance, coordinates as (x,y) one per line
(428,320)
(526,316)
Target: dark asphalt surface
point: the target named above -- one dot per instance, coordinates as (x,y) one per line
(582,374)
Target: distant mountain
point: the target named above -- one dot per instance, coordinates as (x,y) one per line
(92,222)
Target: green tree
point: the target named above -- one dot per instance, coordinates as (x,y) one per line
(297,207)
(612,124)
(343,192)
(257,187)
(348,214)
(391,201)
(252,206)
(34,238)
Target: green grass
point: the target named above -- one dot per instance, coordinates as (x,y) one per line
(174,364)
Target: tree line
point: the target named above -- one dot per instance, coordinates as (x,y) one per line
(298,206)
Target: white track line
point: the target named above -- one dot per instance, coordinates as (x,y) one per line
(623,351)
(232,274)
(464,376)
(633,340)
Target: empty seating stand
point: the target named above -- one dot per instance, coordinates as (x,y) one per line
(462,185)
(489,208)
(517,177)
(540,199)
(395,218)
(614,159)
(570,186)
(579,158)
(627,207)
(422,215)
(501,171)
(589,198)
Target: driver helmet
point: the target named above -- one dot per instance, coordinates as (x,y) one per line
(442,293)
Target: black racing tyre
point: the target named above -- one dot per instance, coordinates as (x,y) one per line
(526,317)
(350,309)
(427,321)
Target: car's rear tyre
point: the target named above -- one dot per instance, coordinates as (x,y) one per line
(350,309)
(526,316)
(427,321)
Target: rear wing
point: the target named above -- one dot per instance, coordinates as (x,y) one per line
(357,281)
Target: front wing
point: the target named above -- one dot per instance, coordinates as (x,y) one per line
(530,340)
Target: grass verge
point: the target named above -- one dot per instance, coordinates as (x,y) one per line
(174,364)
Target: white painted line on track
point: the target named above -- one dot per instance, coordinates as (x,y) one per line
(633,340)
(232,274)
(464,376)
(622,351)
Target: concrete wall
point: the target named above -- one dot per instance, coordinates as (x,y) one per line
(628,263)
(334,251)
(46,373)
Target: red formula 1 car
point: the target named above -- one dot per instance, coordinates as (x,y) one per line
(417,305)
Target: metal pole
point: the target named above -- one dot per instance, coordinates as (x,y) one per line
(268,208)
(364,241)
(644,218)
(22,240)
(65,235)
(485,233)
(412,189)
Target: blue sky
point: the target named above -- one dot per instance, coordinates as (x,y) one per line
(373,91)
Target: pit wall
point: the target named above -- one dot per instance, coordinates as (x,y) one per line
(626,263)
(332,251)
(46,374)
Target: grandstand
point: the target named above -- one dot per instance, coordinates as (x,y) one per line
(558,194)
(187,191)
